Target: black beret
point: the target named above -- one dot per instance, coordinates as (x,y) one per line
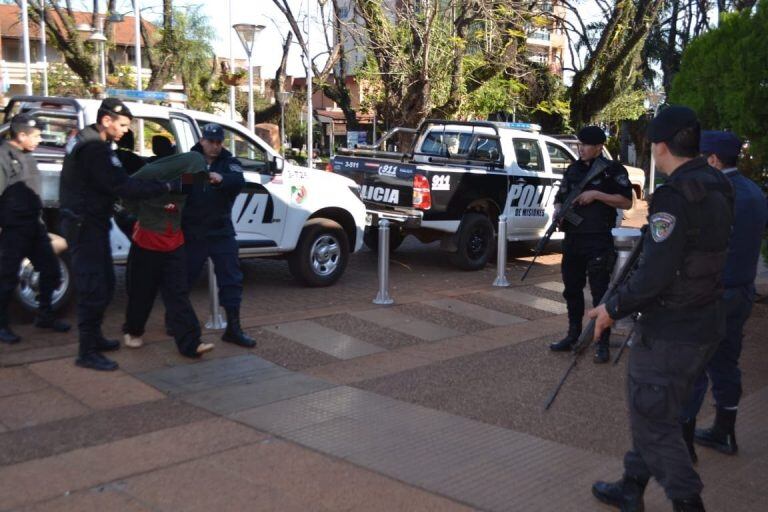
(723,144)
(591,135)
(23,121)
(669,121)
(116,107)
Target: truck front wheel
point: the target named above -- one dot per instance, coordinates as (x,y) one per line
(321,255)
(474,242)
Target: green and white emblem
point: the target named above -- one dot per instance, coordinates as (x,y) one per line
(662,224)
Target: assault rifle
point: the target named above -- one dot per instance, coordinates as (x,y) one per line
(589,332)
(566,210)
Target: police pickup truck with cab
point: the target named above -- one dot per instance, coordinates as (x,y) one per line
(313,219)
(455,182)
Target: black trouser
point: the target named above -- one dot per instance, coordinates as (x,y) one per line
(94,279)
(586,256)
(661,374)
(149,272)
(29,240)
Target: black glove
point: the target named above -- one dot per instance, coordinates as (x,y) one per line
(174,186)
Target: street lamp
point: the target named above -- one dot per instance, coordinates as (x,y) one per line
(247,32)
(97,36)
(284,97)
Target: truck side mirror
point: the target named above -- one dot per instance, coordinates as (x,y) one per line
(276,165)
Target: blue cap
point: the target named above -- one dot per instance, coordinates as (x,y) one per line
(213,131)
(722,144)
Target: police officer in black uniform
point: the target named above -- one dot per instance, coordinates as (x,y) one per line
(208,230)
(92,179)
(22,231)
(677,287)
(588,250)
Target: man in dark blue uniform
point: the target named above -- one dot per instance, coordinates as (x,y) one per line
(750,217)
(677,288)
(588,250)
(208,230)
(92,179)
(22,231)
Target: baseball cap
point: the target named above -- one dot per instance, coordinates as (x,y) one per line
(591,135)
(115,107)
(721,143)
(669,121)
(23,121)
(213,131)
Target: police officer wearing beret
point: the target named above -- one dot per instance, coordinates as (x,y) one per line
(208,230)
(677,288)
(588,250)
(22,231)
(749,222)
(92,179)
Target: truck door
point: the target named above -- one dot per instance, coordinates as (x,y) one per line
(529,201)
(259,212)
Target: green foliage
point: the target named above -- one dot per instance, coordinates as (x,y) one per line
(724,78)
(62,81)
(629,105)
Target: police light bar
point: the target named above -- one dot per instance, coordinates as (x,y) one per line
(528,127)
(133,95)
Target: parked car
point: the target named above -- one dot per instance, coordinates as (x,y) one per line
(309,217)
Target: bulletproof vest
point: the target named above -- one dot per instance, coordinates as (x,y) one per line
(709,209)
(19,199)
(74,190)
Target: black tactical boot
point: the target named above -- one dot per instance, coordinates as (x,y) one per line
(627,493)
(602,353)
(8,336)
(722,435)
(693,504)
(234,333)
(570,339)
(46,319)
(105,345)
(96,361)
(689,427)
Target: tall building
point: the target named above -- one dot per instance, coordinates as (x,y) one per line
(546,39)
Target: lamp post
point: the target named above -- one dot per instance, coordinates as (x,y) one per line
(97,36)
(247,33)
(655,99)
(25,37)
(284,96)
(44,51)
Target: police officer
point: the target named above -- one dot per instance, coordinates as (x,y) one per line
(677,287)
(208,229)
(750,217)
(92,179)
(588,250)
(22,231)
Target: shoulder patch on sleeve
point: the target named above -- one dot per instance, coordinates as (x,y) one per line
(661,224)
(622,179)
(235,168)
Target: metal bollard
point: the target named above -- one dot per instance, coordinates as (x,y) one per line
(216,320)
(501,253)
(383,296)
(624,240)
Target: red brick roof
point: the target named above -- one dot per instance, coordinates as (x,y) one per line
(10,25)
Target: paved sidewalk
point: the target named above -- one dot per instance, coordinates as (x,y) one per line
(434,404)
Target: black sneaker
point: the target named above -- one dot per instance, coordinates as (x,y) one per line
(602,354)
(8,336)
(96,361)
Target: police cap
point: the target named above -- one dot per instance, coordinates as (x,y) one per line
(591,135)
(115,107)
(722,144)
(213,132)
(23,122)
(669,121)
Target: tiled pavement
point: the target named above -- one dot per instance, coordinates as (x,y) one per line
(432,404)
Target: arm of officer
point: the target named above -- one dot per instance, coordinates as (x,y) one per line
(617,189)
(108,174)
(232,178)
(661,258)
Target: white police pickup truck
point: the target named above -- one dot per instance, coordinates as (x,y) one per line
(455,182)
(312,218)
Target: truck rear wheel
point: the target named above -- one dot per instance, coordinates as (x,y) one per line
(29,280)
(475,242)
(371,238)
(321,255)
